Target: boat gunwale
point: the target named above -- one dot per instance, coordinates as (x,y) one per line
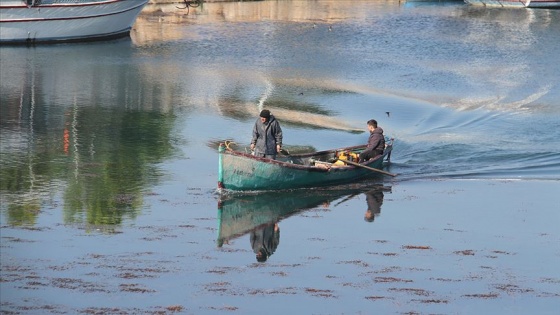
(309,155)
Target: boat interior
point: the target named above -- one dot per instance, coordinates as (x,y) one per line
(322,159)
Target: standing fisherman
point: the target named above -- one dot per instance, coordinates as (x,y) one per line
(267,136)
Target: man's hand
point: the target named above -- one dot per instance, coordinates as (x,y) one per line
(252,146)
(278,148)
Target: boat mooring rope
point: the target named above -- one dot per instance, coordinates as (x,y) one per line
(227,143)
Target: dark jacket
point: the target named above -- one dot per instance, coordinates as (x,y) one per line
(267,136)
(265,237)
(376,140)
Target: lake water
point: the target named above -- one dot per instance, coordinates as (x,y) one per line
(109,161)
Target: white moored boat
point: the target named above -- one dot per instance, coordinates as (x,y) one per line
(517,3)
(51,21)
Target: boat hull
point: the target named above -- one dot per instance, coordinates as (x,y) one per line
(516,3)
(52,22)
(244,172)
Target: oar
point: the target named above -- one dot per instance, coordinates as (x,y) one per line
(367,167)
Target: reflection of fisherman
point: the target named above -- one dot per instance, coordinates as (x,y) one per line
(374,199)
(264,240)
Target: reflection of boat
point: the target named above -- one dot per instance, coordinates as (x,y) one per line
(517,3)
(243,171)
(42,21)
(240,214)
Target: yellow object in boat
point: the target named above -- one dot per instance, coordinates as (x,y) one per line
(339,163)
(346,155)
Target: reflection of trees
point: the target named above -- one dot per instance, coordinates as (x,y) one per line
(89,131)
(103,165)
(25,213)
(24,145)
(115,164)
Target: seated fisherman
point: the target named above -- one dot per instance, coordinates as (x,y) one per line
(376,142)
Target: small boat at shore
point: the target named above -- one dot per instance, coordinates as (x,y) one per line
(54,21)
(240,171)
(516,3)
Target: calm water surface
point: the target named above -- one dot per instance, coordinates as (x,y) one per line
(110,143)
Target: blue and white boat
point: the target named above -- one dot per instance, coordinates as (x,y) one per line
(53,21)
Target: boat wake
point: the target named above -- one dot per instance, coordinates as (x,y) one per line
(421,161)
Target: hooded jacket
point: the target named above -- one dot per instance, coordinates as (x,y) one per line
(376,140)
(266,136)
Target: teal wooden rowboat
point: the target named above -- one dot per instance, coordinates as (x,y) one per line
(239,171)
